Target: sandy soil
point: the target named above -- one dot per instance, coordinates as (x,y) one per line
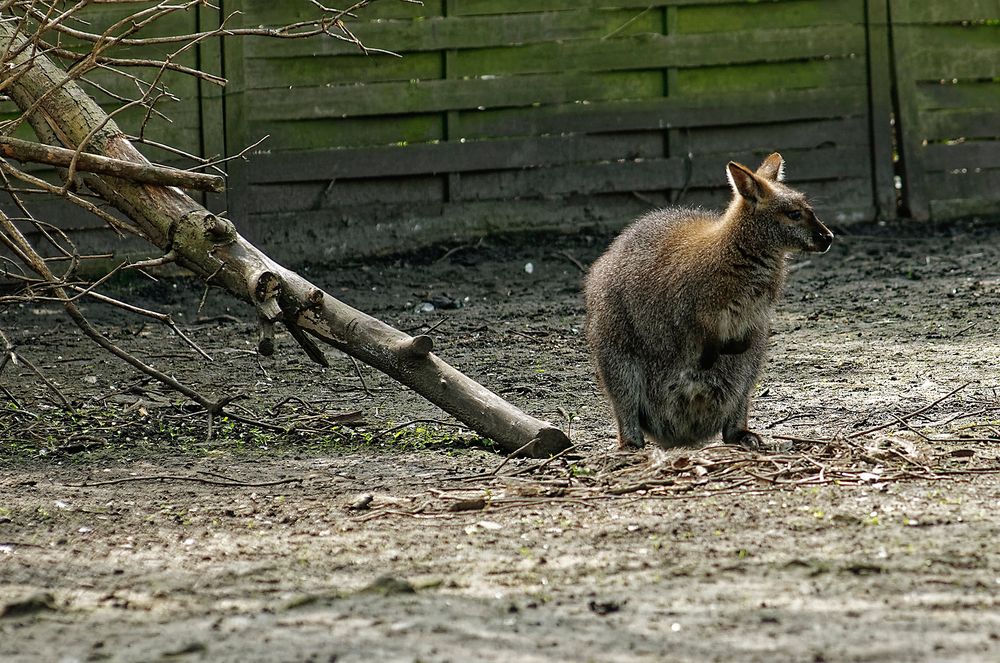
(375,544)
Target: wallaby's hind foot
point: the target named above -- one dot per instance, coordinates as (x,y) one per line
(734,431)
(745,439)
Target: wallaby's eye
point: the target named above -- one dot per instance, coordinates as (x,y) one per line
(794,214)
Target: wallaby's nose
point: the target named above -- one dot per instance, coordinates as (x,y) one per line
(824,240)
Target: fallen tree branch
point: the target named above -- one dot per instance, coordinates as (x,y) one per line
(208,245)
(26,150)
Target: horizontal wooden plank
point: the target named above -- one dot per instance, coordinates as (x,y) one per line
(429,96)
(955,64)
(663,113)
(769,15)
(973,185)
(303,196)
(101,14)
(483,7)
(100,18)
(777,136)
(649,51)
(283,13)
(452,157)
(182,87)
(957,208)
(57,211)
(642,52)
(754,79)
(182,114)
(952,125)
(969,156)
(923,11)
(575,179)
(947,52)
(312,71)
(963,95)
(159,52)
(444,33)
(973,36)
(348,132)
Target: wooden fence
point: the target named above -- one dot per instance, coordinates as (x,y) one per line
(947,72)
(550,114)
(567,114)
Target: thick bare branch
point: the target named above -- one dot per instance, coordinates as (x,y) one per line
(26,150)
(210,246)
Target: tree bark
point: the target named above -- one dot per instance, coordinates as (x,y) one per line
(211,247)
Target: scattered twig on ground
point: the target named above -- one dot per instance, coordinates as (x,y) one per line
(382,433)
(361,377)
(576,263)
(964,329)
(859,459)
(429,329)
(524,335)
(178,477)
(452,251)
(914,413)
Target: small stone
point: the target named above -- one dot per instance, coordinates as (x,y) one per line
(35,603)
(361,502)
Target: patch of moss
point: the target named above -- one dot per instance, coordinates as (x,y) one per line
(98,434)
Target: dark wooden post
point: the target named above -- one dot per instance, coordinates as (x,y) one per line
(880,109)
(908,129)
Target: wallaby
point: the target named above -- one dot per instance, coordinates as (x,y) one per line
(679,307)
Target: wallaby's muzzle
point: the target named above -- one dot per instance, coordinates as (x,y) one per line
(822,238)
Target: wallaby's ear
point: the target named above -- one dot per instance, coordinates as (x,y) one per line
(773,168)
(743,181)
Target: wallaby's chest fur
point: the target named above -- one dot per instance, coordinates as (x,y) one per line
(678,273)
(679,308)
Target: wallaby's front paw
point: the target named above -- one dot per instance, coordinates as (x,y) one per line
(747,440)
(737,346)
(709,355)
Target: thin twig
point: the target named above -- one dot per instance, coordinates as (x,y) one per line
(387,431)
(576,263)
(177,477)
(912,414)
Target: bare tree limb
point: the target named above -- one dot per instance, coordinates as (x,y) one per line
(25,150)
(210,246)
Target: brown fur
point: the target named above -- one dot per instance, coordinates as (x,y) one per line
(679,307)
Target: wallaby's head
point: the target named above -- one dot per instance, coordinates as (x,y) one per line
(781,216)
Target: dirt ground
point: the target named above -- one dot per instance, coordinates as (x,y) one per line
(355,539)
